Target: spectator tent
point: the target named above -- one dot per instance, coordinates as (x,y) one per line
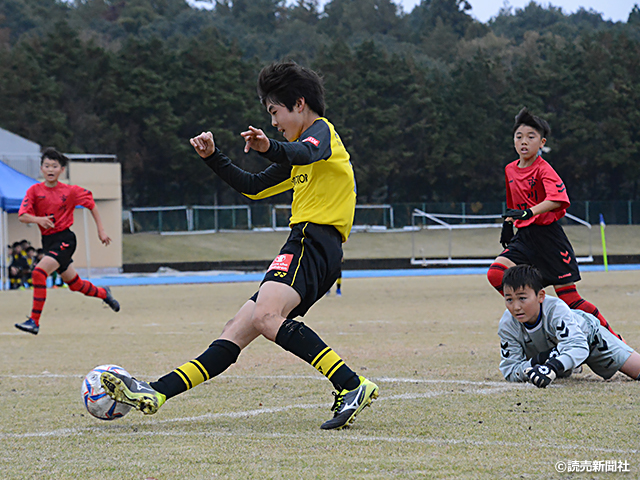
(13,187)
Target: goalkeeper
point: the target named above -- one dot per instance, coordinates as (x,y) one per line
(536,199)
(542,339)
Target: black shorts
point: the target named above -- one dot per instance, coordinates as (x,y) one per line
(60,246)
(547,248)
(310,262)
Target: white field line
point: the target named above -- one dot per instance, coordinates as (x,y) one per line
(345,436)
(485,388)
(307,377)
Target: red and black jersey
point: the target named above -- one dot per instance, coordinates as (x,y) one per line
(530,186)
(59,201)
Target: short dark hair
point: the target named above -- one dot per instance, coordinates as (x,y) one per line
(524,117)
(284,83)
(52,154)
(523,276)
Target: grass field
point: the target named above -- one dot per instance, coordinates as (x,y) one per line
(429,342)
(147,247)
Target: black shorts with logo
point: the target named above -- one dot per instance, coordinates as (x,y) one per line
(547,248)
(310,261)
(60,246)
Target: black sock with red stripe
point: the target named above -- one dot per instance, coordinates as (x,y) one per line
(571,297)
(495,274)
(86,288)
(39,280)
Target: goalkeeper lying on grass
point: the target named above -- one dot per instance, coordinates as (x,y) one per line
(542,339)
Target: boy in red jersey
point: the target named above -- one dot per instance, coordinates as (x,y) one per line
(536,199)
(50,205)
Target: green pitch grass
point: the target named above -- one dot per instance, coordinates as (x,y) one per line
(430,343)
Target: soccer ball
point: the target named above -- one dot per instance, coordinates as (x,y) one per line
(95,399)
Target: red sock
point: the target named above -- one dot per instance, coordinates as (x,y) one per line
(571,297)
(86,288)
(39,280)
(495,274)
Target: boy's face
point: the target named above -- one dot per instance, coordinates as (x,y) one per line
(51,169)
(528,142)
(290,123)
(523,303)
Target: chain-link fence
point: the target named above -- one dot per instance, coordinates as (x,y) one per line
(209,218)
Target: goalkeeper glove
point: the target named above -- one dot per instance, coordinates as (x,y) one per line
(518,214)
(543,375)
(542,357)
(507,234)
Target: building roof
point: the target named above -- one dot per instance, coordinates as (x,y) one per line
(12,144)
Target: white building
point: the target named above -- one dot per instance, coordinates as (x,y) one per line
(19,153)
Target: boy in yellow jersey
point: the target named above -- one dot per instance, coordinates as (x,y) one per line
(314,163)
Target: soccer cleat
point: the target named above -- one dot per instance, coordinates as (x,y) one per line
(112,302)
(348,403)
(132,392)
(28,326)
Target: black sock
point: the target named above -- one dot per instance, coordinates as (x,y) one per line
(304,343)
(220,355)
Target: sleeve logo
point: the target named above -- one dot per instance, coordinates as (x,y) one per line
(282,262)
(311,140)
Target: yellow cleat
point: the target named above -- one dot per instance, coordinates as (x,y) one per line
(132,392)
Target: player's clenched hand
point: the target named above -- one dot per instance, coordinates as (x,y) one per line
(541,375)
(515,214)
(255,139)
(46,222)
(204,144)
(506,234)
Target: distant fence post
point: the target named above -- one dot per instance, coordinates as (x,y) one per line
(586,211)
(189,219)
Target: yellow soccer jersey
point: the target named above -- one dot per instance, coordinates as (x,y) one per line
(316,166)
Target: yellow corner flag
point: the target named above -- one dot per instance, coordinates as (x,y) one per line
(604,244)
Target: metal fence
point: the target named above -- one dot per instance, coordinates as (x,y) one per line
(423,221)
(209,218)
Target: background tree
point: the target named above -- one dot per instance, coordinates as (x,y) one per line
(424,100)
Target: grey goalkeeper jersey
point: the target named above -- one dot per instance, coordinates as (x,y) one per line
(570,331)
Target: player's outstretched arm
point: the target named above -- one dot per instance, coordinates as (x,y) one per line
(102,235)
(254,185)
(204,144)
(513,361)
